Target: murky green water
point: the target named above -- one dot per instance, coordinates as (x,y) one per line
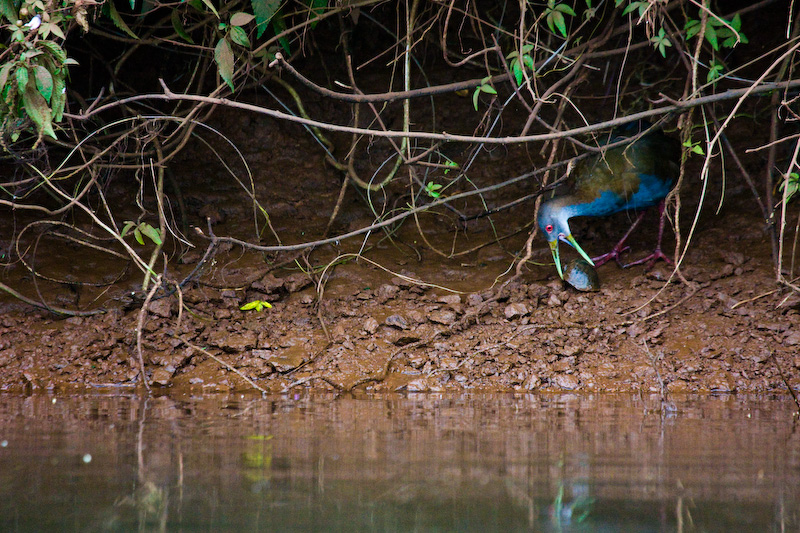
(398,463)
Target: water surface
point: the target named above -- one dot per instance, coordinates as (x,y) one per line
(398,463)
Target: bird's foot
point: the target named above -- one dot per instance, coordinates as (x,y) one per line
(614,254)
(651,259)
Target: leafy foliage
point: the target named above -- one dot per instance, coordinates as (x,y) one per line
(141,230)
(519,62)
(718,29)
(790,185)
(554,15)
(263,11)
(223,55)
(661,42)
(432,189)
(639,6)
(484,87)
(694,147)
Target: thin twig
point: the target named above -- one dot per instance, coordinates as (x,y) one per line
(786,382)
(681,105)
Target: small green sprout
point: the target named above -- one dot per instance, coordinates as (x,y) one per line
(141,230)
(433,189)
(483,87)
(661,42)
(258,305)
(518,65)
(694,147)
(791,185)
(714,71)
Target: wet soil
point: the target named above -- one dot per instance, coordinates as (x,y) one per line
(405,318)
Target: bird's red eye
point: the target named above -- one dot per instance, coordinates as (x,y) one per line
(548,228)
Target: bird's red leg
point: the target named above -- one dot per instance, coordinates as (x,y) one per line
(657,253)
(620,247)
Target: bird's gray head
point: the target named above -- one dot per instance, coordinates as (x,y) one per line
(553,220)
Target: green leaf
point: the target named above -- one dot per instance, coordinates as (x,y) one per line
(4,73)
(790,185)
(258,305)
(711,36)
(55,50)
(113,14)
(556,18)
(564,8)
(264,10)
(150,232)
(528,62)
(8,10)
(177,25)
(126,228)
(433,189)
(451,165)
(59,99)
(137,234)
(317,9)
(661,42)
(516,69)
(692,28)
(736,23)
(633,6)
(241,19)
(22,77)
(694,147)
(279,26)
(714,72)
(210,6)
(56,30)
(223,55)
(239,36)
(736,36)
(483,87)
(30,54)
(36,108)
(44,81)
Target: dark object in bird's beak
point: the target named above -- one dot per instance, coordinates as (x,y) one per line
(581,275)
(569,239)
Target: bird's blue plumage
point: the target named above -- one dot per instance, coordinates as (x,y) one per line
(632,177)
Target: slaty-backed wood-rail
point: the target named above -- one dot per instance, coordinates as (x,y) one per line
(631,177)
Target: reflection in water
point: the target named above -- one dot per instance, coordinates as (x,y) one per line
(398,463)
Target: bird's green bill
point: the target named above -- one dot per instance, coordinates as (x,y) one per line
(554,251)
(569,239)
